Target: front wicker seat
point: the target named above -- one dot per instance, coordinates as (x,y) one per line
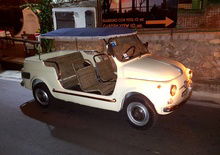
(89,83)
(104,68)
(106,71)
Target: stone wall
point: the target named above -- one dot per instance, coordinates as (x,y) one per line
(203,57)
(81,45)
(197,51)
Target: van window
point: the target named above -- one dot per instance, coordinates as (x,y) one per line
(65,20)
(90,18)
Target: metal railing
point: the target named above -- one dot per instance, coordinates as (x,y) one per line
(9,42)
(204,18)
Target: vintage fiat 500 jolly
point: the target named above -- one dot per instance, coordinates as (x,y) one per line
(107,68)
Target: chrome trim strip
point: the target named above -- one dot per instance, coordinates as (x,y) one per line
(67,93)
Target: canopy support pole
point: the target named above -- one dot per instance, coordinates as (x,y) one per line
(77,48)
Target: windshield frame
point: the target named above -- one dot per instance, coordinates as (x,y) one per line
(136,43)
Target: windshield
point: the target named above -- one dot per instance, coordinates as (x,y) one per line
(127,47)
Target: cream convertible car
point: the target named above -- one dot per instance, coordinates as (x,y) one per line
(107,68)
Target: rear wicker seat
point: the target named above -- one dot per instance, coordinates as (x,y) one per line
(63,66)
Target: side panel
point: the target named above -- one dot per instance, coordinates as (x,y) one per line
(48,75)
(158,96)
(157,92)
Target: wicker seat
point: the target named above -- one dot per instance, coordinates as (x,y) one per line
(105,71)
(89,83)
(104,68)
(63,66)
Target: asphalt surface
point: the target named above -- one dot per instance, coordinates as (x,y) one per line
(66,128)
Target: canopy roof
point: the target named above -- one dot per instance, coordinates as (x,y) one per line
(99,33)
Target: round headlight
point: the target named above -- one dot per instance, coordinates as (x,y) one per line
(173,90)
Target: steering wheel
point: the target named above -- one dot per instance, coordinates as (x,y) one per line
(125,54)
(88,62)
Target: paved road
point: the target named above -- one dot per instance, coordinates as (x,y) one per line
(65,128)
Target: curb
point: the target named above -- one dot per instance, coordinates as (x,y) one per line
(10,75)
(210,98)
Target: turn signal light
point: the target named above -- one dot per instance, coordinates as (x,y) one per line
(25,75)
(173,90)
(190,74)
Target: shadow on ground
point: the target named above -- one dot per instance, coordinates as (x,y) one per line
(190,130)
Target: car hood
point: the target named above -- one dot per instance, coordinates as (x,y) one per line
(153,69)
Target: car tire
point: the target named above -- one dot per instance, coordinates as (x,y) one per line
(140,112)
(42,95)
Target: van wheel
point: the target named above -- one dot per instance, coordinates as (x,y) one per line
(42,94)
(140,112)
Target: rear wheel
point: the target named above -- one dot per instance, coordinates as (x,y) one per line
(42,94)
(140,112)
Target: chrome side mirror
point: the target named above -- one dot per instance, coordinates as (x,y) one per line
(146,46)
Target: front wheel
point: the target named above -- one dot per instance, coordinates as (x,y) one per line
(140,112)
(42,94)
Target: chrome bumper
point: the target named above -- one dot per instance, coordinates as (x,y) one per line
(176,106)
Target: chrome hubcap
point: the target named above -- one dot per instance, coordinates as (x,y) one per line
(41,96)
(138,113)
